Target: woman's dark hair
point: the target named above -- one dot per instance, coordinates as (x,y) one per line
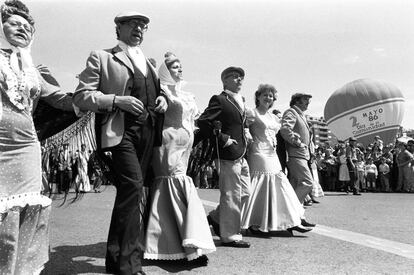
(264,88)
(15,7)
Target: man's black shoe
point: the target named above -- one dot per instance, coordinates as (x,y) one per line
(257,232)
(307,203)
(357,194)
(110,270)
(216,226)
(307,224)
(238,244)
(298,229)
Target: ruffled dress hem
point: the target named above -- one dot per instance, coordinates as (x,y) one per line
(268,229)
(273,204)
(24,227)
(193,243)
(21,200)
(176,206)
(179,256)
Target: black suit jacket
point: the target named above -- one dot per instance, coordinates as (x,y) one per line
(224,108)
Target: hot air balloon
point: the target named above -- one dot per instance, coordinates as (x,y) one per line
(365,108)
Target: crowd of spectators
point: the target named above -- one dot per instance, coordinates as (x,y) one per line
(61,168)
(379,167)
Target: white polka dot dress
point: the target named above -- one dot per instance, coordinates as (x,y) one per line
(24,212)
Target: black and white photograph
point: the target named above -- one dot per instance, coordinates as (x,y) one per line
(206,137)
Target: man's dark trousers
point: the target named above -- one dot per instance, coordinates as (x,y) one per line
(130,160)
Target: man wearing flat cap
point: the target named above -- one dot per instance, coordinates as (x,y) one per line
(223,121)
(296,133)
(64,172)
(121,86)
(352,152)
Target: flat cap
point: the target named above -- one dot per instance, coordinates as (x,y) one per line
(230,70)
(352,139)
(299,95)
(127,15)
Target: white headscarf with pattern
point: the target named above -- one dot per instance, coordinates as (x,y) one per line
(165,75)
(27,72)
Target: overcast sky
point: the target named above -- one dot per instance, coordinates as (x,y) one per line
(298,46)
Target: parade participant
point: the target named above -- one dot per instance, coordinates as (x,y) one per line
(82,180)
(317,191)
(65,175)
(273,204)
(295,131)
(410,146)
(24,212)
(312,163)
(121,86)
(352,152)
(328,169)
(177,226)
(95,171)
(404,159)
(343,173)
(225,117)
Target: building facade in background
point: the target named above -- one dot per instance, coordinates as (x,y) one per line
(320,131)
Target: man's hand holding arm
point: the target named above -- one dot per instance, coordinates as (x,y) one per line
(161,104)
(128,104)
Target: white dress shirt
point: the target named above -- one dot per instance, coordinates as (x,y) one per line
(237,97)
(136,55)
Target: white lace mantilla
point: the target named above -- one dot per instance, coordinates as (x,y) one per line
(19,89)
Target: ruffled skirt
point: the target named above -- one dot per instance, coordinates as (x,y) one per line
(273,204)
(177,226)
(24,212)
(317,190)
(24,234)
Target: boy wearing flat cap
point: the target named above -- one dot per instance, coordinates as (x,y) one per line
(223,121)
(121,86)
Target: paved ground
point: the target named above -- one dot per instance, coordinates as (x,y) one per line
(371,234)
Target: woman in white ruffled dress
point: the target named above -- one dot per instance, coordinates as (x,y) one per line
(24,212)
(273,204)
(82,178)
(177,226)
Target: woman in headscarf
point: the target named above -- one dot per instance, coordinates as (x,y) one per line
(24,212)
(177,226)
